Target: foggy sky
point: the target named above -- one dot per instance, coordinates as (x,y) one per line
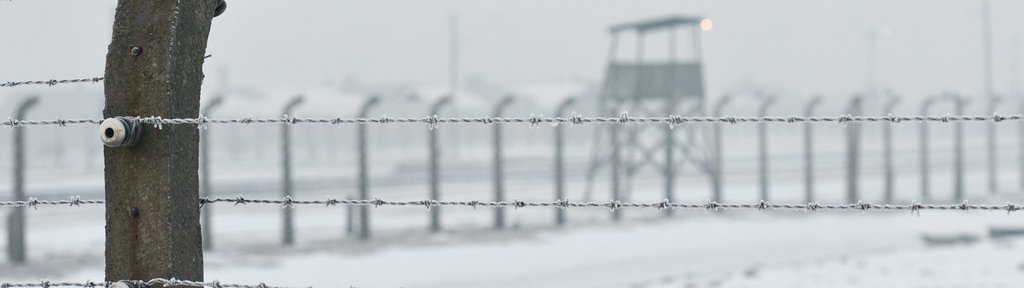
(788,46)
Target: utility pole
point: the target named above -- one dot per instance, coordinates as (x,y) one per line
(154,68)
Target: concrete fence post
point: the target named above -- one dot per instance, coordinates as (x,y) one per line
(924,153)
(716,166)
(762,145)
(364,185)
(154,68)
(992,149)
(288,227)
(1020,144)
(499,165)
(435,173)
(959,103)
(853,151)
(887,166)
(809,149)
(16,220)
(560,159)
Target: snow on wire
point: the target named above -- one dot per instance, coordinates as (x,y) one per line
(134,283)
(287,201)
(576,119)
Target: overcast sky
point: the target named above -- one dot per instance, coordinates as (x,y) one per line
(793,46)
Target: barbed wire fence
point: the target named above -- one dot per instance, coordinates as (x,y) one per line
(577,119)
(51,82)
(710,206)
(435,122)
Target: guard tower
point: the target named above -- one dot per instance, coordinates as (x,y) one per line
(670,86)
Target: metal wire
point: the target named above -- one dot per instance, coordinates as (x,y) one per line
(34,202)
(575,119)
(51,82)
(135,283)
(287,201)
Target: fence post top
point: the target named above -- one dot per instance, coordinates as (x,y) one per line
(505,101)
(568,101)
(26,104)
(371,101)
(766,101)
(444,100)
(295,101)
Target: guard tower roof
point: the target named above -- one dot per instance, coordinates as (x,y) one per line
(658,23)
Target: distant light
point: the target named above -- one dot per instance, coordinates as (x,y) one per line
(706,25)
(886,31)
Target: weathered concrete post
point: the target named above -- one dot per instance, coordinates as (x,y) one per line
(762,145)
(288,227)
(435,173)
(716,166)
(16,220)
(669,170)
(154,68)
(809,149)
(616,169)
(853,151)
(889,170)
(560,159)
(1020,144)
(364,185)
(499,165)
(205,189)
(992,148)
(958,148)
(925,165)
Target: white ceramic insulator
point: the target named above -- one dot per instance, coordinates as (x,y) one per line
(113,132)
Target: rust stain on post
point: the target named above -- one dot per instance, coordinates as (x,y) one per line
(154,68)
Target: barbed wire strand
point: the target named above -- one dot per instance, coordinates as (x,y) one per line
(51,82)
(172,282)
(287,201)
(575,119)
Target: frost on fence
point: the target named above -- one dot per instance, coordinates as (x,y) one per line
(575,119)
(51,82)
(287,201)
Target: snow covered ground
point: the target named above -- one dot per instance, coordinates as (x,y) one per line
(695,249)
(986,264)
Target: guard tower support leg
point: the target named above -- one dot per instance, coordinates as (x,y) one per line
(154,68)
